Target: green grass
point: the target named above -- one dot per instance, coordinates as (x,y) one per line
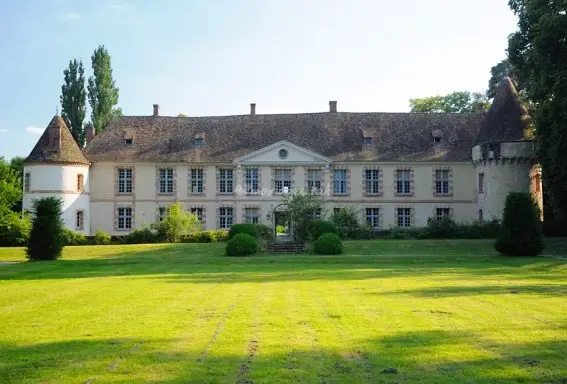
(437,311)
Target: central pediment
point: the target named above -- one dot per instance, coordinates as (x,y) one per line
(283,152)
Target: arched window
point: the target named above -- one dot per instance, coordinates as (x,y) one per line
(80,182)
(480,218)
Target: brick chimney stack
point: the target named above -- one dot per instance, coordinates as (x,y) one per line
(90,133)
(156,109)
(252,108)
(332,106)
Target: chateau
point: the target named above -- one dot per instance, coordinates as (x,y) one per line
(394,169)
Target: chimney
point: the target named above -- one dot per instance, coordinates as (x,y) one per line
(252,108)
(156,109)
(90,133)
(332,106)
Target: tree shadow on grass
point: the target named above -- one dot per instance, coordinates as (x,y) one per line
(431,356)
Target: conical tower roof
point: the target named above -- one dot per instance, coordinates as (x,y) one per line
(507,119)
(57,145)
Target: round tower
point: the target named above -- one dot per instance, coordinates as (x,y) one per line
(504,154)
(56,167)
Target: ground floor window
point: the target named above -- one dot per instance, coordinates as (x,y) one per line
(162,213)
(404,217)
(198,211)
(372,217)
(124,218)
(251,215)
(441,213)
(225,217)
(80,220)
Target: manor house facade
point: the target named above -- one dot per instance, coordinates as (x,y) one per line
(394,169)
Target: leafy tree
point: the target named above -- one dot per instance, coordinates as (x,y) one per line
(456,102)
(10,187)
(46,239)
(302,208)
(177,224)
(538,53)
(74,100)
(102,92)
(182,115)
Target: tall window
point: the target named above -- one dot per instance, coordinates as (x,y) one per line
(442,182)
(403,186)
(373,216)
(198,211)
(162,213)
(124,180)
(481,183)
(441,213)
(252,180)
(251,215)
(372,182)
(225,180)
(80,220)
(313,180)
(124,218)
(340,181)
(480,215)
(225,217)
(282,180)
(166,180)
(196,177)
(537,182)
(27,182)
(404,217)
(80,182)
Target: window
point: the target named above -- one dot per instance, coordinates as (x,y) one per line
(199,141)
(283,153)
(481,183)
(404,217)
(372,217)
(336,211)
(162,213)
(340,181)
(317,214)
(196,177)
(166,180)
(198,211)
(225,180)
(27,182)
(251,215)
(80,220)
(437,139)
(480,215)
(441,213)
(124,218)
(372,182)
(128,141)
(252,180)
(403,186)
(282,180)
(442,182)
(313,180)
(537,182)
(80,182)
(367,140)
(124,180)
(225,217)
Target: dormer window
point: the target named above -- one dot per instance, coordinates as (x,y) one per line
(199,141)
(437,139)
(368,140)
(437,136)
(128,141)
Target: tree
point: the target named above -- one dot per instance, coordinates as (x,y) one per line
(17,164)
(302,208)
(10,187)
(177,224)
(538,53)
(182,115)
(46,239)
(102,91)
(456,102)
(74,100)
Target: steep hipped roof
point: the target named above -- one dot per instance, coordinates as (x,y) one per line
(56,145)
(507,119)
(337,135)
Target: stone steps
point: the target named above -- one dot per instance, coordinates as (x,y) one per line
(285,248)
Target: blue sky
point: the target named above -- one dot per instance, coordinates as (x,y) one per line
(215,57)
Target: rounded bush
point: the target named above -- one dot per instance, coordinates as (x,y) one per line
(249,229)
(102,238)
(241,244)
(328,244)
(521,230)
(319,227)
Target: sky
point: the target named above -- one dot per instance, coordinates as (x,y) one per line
(215,57)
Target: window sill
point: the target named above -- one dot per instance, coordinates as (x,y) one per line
(123,229)
(124,193)
(404,194)
(373,194)
(442,195)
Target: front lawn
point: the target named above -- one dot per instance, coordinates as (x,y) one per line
(433,311)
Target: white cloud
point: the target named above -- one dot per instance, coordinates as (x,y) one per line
(3,131)
(72,16)
(35,131)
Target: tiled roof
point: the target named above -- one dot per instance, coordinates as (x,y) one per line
(65,151)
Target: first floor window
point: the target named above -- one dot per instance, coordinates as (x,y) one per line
(198,211)
(162,213)
(27,182)
(340,181)
(196,177)
(372,182)
(282,180)
(80,182)
(404,217)
(225,180)
(441,213)
(251,215)
(442,182)
(125,218)
(372,217)
(124,180)
(80,220)
(252,180)
(225,217)
(313,180)
(481,183)
(166,180)
(403,182)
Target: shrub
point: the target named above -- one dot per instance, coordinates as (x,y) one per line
(207,237)
(71,237)
(266,233)
(14,231)
(346,221)
(328,244)
(177,225)
(241,244)
(249,229)
(46,240)
(319,227)
(444,228)
(364,232)
(142,235)
(301,209)
(521,232)
(102,238)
